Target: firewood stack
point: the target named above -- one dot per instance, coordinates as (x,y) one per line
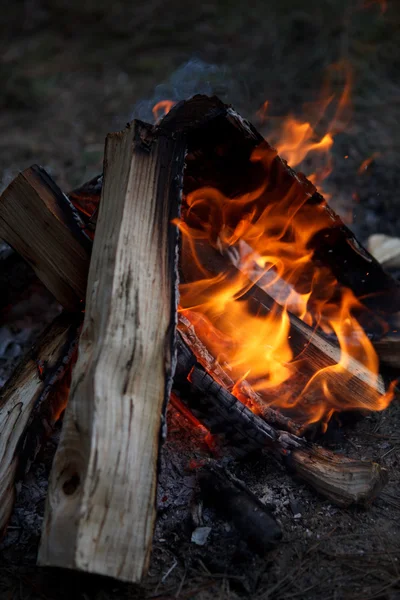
(120,297)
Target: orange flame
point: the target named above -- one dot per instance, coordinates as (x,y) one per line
(367,162)
(297,140)
(161,109)
(269,242)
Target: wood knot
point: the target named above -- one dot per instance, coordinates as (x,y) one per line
(70,486)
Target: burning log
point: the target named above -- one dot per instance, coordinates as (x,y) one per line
(352,382)
(101,503)
(220,145)
(341,480)
(221,155)
(29,403)
(39,222)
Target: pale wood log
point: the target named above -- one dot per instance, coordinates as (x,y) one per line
(39,222)
(342,480)
(100,509)
(27,405)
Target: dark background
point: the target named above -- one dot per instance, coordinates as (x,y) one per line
(73,71)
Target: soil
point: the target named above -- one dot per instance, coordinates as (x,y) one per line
(72,72)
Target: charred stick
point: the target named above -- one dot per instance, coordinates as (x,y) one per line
(247,395)
(220,144)
(233,500)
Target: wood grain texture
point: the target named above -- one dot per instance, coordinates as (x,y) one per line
(25,398)
(101,504)
(342,480)
(40,223)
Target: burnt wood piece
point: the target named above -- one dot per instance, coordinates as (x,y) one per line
(86,198)
(40,223)
(246,393)
(100,510)
(354,384)
(30,403)
(234,501)
(341,480)
(220,143)
(221,412)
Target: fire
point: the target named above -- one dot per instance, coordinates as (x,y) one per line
(297,140)
(269,243)
(161,109)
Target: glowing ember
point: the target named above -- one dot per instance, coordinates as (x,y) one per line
(367,162)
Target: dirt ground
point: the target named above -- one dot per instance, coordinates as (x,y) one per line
(72,72)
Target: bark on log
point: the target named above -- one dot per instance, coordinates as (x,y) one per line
(27,404)
(39,222)
(100,509)
(341,480)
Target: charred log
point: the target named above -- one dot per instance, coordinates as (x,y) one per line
(233,500)
(354,383)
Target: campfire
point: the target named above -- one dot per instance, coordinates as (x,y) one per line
(200,269)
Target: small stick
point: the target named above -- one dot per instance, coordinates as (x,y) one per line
(233,499)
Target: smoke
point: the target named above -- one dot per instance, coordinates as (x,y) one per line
(193,77)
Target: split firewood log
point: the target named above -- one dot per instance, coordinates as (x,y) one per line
(100,510)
